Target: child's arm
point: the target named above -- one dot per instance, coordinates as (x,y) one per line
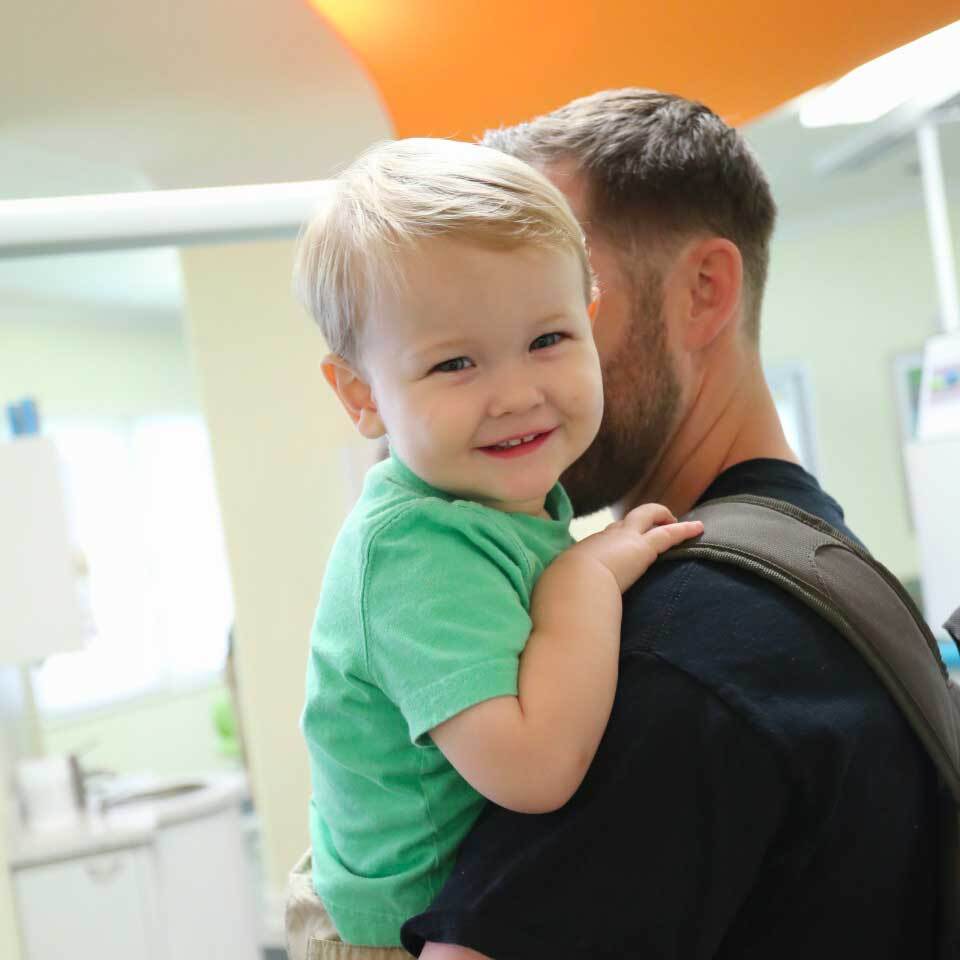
(529,753)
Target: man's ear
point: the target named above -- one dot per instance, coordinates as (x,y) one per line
(355,394)
(715,281)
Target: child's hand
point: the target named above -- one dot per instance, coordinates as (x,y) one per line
(629,546)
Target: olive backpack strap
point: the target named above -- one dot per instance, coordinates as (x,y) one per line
(838,579)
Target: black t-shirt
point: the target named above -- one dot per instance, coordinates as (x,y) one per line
(756,794)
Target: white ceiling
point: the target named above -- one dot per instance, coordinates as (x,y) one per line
(173,94)
(101,96)
(788,153)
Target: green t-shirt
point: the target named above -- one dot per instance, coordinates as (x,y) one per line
(424,612)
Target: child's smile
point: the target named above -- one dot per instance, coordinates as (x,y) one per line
(518,446)
(483,369)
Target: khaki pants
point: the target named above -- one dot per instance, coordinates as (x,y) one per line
(311,934)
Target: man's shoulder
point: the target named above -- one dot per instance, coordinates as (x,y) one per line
(719,620)
(694,607)
(714,619)
(768,657)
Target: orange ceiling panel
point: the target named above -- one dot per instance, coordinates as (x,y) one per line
(457,67)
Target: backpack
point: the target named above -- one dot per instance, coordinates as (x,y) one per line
(835,576)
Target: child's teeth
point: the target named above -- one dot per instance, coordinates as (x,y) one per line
(515,443)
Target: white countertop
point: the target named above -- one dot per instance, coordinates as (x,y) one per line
(168,804)
(149,805)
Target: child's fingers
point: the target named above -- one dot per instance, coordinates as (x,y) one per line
(648,515)
(662,538)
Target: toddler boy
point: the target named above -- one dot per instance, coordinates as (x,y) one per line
(464,647)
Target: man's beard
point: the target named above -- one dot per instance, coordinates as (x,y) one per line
(641,394)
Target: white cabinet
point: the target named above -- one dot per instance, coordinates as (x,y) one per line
(164,878)
(101,906)
(209,912)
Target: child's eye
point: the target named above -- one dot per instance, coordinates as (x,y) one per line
(546,340)
(453,366)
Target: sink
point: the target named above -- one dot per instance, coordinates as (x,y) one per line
(169,800)
(152,795)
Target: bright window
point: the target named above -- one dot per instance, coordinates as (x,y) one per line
(145,514)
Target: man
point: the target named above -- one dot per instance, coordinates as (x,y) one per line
(757,793)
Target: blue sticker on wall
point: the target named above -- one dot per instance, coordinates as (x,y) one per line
(24,418)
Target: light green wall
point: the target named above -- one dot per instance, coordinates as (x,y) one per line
(167,735)
(85,360)
(845,300)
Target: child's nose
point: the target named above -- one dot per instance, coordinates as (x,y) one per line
(514,398)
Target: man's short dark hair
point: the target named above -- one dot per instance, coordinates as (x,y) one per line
(658,166)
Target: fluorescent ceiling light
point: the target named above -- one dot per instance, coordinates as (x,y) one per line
(156,218)
(874,89)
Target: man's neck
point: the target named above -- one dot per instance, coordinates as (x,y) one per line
(732,419)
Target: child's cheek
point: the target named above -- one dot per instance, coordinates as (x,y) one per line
(438,423)
(585,392)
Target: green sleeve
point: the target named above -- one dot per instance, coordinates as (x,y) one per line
(444,608)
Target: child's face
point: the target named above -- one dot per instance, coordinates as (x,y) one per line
(479,349)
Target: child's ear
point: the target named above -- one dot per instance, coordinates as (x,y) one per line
(355,394)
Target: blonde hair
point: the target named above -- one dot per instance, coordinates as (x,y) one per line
(400,193)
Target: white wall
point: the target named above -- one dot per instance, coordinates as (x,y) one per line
(845,298)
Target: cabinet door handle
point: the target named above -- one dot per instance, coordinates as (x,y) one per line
(104,869)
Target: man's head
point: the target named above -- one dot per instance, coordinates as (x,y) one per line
(452,284)
(650,176)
